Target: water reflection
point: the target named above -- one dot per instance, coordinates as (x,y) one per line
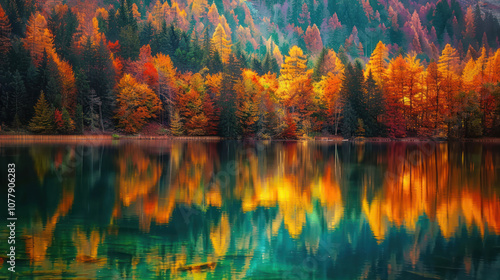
(269,210)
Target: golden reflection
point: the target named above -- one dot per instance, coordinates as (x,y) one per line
(39,238)
(433,184)
(87,245)
(220,236)
(137,174)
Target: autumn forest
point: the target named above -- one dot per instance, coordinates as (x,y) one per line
(282,69)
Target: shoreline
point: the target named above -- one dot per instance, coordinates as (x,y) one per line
(107,138)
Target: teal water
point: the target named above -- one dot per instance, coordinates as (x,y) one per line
(253,210)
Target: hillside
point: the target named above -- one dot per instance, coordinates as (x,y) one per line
(248,68)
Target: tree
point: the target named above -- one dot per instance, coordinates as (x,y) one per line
(38,38)
(290,131)
(349,122)
(466,121)
(43,120)
(69,124)
(190,102)
(5,32)
(448,65)
(166,82)
(248,91)
(68,86)
(353,97)
(395,96)
(227,99)
(129,41)
(313,40)
(375,107)
(136,103)
(328,62)
(221,43)
(79,119)
(413,81)
(378,63)
(176,126)
(295,64)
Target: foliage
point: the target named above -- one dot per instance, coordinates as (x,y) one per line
(215,68)
(43,120)
(135,104)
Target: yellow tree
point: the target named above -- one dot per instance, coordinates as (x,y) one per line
(167,74)
(221,43)
(68,85)
(38,37)
(330,85)
(378,63)
(434,96)
(414,94)
(199,8)
(136,103)
(448,65)
(296,90)
(248,91)
(395,95)
(295,64)
(292,69)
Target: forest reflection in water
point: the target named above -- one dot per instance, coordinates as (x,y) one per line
(269,210)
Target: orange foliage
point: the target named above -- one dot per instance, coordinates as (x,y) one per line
(136,103)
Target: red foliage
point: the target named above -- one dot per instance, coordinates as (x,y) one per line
(58,120)
(150,75)
(114,47)
(211,113)
(291,130)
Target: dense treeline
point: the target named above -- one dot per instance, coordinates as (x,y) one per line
(200,68)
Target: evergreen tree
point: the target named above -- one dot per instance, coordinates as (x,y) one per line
(353,94)
(19,97)
(69,124)
(43,120)
(79,119)
(176,125)
(129,40)
(227,100)
(318,66)
(349,122)
(374,107)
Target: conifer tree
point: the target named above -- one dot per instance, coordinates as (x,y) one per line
(69,124)
(43,120)
(176,126)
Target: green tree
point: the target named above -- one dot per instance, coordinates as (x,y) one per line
(43,120)
(375,107)
(69,124)
(79,119)
(227,100)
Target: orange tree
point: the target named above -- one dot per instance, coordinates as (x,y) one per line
(136,103)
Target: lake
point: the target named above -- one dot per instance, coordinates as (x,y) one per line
(253,210)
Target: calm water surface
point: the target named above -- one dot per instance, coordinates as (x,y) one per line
(254,210)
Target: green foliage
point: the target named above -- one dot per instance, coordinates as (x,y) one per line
(43,120)
(69,124)
(79,119)
(467,121)
(375,107)
(349,122)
